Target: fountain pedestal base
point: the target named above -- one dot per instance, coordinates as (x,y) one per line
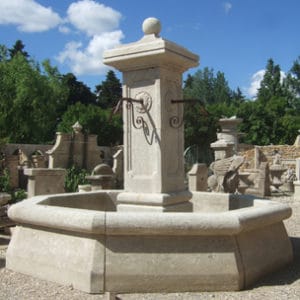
(164,202)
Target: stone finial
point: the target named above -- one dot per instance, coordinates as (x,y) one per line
(77,127)
(151,26)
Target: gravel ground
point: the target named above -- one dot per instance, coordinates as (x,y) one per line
(284,284)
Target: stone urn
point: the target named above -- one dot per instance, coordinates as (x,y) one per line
(102,177)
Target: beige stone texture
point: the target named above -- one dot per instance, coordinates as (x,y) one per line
(171,263)
(102,177)
(255,181)
(289,154)
(297,190)
(297,169)
(198,178)
(229,131)
(11,163)
(158,202)
(118,168)
(148,252)
(262,250)
(76,260)
(77,148)
(4,198)
(43,181)
(153,136)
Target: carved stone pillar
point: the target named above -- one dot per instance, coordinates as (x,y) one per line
(153,120)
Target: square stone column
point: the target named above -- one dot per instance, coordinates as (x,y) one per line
(153,119)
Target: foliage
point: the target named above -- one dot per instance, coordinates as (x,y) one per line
(273,117)
(270,86)
(18,48)
(292,85)
(4,181)
(30,101)
(207,87)
(109,91)
(36,101)
(3,53)
(216,100)
(94,120)
(75,176)
(199,127)
(77,91)
(16,195)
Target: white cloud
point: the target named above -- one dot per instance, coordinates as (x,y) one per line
(256,80)
(255,83)
(89,60)
(28,15)
(227,7)
(99,23)
(93,18)
(282,76)
(64,29)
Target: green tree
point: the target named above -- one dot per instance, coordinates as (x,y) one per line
(271,85)
(292,85)
(109,91)
(269,119)
(200,86)
(237,98)
(28,102)
(18,48)
(221,90)
(3,53)
(207,87)
(94,120)
(200,127)
(78,91)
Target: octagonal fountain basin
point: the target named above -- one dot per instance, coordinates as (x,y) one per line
(80,239)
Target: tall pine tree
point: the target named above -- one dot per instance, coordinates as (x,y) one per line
(109,91)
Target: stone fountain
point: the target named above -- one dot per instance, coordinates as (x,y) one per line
(153,236)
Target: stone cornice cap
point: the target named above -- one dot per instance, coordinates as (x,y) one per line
(150,51)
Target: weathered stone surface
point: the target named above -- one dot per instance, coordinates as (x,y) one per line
(255,182)
(76,260)
(77,148)
(198,177)
(43,181)
(289,154)
(4,198)
(225,174)
(147,252)
(153,133)
(102,177)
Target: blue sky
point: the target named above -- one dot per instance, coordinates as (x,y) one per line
(236,37)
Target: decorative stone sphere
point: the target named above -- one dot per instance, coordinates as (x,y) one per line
(151,26)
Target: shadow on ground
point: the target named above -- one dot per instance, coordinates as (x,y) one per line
(286,275)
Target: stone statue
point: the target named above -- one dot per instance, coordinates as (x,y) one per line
(225,174)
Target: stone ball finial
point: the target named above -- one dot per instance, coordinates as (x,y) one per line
(151,26)
(77,127)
